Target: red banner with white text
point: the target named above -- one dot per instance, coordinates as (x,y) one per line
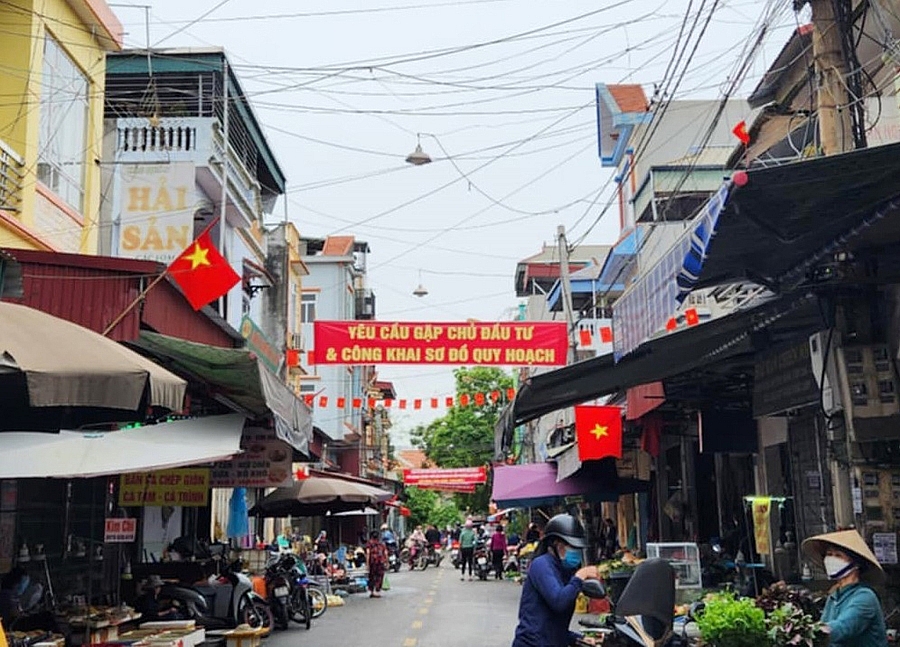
(459,479)
(508,343)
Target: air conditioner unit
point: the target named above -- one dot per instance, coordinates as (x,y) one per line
(824,369)
(295,341)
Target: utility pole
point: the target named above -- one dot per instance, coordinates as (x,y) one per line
(840,129)
(835,124)
(566,291)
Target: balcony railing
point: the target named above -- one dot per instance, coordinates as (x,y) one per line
(189,139)
(139,140)
(11,173)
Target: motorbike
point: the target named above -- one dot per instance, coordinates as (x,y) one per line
(644,613)
(393,555)
(434,554)
(224,603)
(417,556)
(287,592)
(482,558)
(278,592)
(455,556)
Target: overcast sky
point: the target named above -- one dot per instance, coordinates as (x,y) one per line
(505,91)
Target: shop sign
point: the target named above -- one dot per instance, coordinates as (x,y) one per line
(509,343)
(884,545)
(259,345)
(265,462)
(120,531)
(464,477)
(783,380)
(156,215)
(181,487)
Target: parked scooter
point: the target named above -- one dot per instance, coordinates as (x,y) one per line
(482,559)
(226,602)
(287,595)
(644,614)
(393,555)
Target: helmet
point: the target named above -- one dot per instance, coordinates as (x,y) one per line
(384,526)
(567,528)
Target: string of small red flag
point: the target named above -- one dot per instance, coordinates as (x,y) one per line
(415,404)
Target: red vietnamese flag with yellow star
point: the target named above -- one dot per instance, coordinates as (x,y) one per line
(598,431)
(202,273)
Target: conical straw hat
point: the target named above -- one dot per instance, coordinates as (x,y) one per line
(852,541)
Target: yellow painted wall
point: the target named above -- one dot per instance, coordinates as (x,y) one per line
(24,25)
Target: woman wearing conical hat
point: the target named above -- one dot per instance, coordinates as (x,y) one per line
(852,610)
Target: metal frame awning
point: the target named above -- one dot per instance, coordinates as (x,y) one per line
(788,218)
(741,333)
(238,377)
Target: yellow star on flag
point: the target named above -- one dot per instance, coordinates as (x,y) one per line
(198,257)
(599,431)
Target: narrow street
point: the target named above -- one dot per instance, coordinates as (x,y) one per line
(431,608)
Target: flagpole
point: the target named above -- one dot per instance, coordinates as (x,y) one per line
(143,293)
(140,297)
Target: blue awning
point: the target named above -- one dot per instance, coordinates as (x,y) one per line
(656,295)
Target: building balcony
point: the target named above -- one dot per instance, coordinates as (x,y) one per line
(201,141)
(11,173)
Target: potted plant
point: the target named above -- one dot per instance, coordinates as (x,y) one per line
(729,621)
(792,616)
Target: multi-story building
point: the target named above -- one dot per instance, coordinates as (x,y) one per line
(51,121)
(336,289)
(184,152)
(281,321)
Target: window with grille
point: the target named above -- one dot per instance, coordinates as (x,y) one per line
(308,307)
(64,119)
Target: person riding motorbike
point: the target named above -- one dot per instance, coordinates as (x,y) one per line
(415,543)
(554,582)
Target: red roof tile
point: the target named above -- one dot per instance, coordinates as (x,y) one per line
(412,458)
(629,97)
(338,246)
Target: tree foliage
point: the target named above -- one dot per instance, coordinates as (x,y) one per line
(427,506)
(464,437)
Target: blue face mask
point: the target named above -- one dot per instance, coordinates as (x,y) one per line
(572,558)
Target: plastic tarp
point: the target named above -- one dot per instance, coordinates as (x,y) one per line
(239,378)
(83,454)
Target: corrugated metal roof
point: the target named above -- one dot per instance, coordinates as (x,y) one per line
(93,290)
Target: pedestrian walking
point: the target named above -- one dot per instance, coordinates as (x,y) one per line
(498,551)
(467,549)
(376,561)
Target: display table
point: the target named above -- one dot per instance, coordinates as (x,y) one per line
(102,627)
(244,636)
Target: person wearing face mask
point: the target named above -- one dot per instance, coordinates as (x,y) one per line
(555,579)
(852,610)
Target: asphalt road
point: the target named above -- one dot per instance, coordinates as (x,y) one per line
(430,608)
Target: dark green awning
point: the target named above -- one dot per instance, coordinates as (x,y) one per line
(239,377)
